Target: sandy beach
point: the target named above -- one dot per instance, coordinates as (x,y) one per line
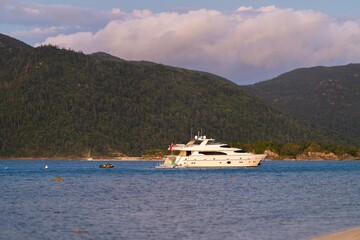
(349,234)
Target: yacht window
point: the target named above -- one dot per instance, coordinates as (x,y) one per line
(213,153)
(240,151)
(212,142)
(197,142)
(225,146)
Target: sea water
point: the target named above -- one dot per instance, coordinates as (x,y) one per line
(134,200)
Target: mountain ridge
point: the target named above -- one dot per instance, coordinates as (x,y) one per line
(57,102)
(7,42)
(324,96)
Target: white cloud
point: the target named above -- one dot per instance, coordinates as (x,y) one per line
(32,11)
(61,19)
(247,45)
(30,14)
(244,8)
(69,41)
(267,9)
(116,11)
(142,13)
(41,31)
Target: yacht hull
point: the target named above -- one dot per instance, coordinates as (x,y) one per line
(222,161)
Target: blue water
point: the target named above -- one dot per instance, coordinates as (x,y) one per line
(133,200)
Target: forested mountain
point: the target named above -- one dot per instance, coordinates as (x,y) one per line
(9,44)
(56,102)
(324,96)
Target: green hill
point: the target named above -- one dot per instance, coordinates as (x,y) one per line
(324,96)
(60,103)
(8,44)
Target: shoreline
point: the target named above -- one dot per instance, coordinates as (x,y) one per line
(154,159)
(347,234)
(82,159)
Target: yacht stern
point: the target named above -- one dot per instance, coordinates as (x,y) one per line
(168,163)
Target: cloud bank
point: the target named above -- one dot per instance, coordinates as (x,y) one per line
(36,22)
(245,46)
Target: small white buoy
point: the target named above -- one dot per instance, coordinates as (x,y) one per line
(46,167)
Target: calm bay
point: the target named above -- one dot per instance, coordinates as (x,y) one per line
(134,200)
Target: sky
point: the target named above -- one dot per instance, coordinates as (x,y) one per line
(243,41)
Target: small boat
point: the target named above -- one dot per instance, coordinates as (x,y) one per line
(106,165)
(202,152)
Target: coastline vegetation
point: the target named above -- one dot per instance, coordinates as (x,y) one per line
(302,151)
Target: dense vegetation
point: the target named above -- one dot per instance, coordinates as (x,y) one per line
(56,102)
(293,150)
(324,96)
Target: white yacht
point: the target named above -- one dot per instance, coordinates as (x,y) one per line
(202,152)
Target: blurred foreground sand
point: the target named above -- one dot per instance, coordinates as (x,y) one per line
(350,234)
